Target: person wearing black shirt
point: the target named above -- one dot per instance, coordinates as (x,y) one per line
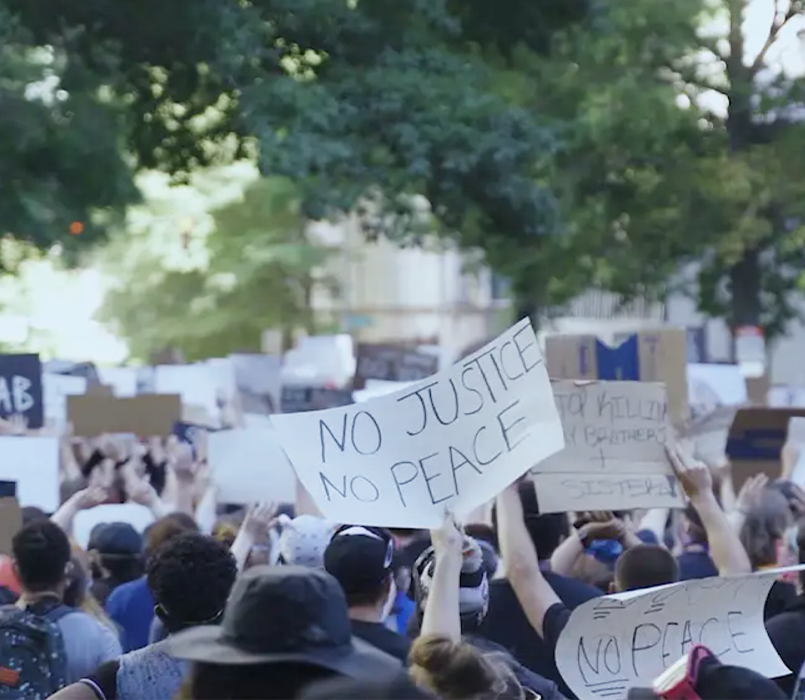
(361,560)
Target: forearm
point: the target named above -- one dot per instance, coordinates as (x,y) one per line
(565,556)
(65,515)
(441,616)
(726,550)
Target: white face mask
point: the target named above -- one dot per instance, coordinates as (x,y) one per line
(389,601)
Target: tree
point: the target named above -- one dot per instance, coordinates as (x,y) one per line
(256,269)
(62,171)
(377,99)
(676,153)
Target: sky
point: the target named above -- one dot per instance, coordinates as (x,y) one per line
(52,312)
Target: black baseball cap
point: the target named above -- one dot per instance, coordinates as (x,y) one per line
(717,681)
(359,557)
(285,614)
(116,540)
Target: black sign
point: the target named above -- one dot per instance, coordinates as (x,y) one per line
(297,399)
(393,363)
(21,388)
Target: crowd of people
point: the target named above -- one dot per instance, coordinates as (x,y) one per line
(264,602)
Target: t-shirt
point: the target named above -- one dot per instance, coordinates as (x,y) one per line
(694,564)
(381,637)
(506,623)
(87,644)
(131,606)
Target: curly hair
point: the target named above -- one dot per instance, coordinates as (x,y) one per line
(190,577)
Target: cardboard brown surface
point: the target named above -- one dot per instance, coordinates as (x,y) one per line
(10,516)
(756,437)
(648,355)
(100,390)
(614,456)
(145,415)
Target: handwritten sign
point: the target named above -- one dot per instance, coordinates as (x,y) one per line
(616,642)
(451,441)
(21,388)
(393,363)
(298,399)
(614,456)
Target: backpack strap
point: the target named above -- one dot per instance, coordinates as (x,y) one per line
(50,608)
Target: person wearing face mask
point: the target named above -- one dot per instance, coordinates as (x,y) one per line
(361,560)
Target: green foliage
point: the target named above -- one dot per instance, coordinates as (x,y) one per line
(253,271)
(61,149)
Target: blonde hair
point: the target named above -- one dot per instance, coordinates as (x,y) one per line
(458,671)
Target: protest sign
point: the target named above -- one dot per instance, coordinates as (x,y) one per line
(123,380)
(614,456)
(708,434)
(196,384)
(56,388)
(10,515)
(613,643)
(249,466)
(392,363)
(32,462)
(21,388)
(148,415)
(451,441)
(298,399)
(656,355)
(711,386)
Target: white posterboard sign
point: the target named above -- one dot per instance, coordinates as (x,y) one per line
(123,380)
(249,466)
(453,440)
(711,385)
(33,462)
(55,389)
(614,456)
(196,384)
(614,643)
(139,517)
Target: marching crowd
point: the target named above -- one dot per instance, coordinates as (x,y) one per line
(267,603)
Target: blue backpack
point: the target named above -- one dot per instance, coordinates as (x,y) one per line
(33,659)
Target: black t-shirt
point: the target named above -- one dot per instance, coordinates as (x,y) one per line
(507,625)
(104,681)
(381,637)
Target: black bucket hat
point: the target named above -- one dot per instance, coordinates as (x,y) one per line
(285,614)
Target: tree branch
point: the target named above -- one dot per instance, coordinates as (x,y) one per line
(777,25)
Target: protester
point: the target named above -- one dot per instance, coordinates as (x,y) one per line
(452,594)
(116,555)
(362,561)
(77,593)
(190,577)
(505,623)
(42,632)
(283,628)
(131,605)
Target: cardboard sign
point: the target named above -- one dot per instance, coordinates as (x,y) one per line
(33,463)
(647,356)
(249,466)
(392,363)
(21,388)
(452,441)
(614,643)
(756,437)
(298,399)
(614,456)
(10,515)
(146,416)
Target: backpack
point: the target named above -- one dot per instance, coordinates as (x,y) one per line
(33,658)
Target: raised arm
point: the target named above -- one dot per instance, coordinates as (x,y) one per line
(520,559)
(726,550)
(442,615)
